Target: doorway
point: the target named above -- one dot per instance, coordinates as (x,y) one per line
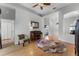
(7,32)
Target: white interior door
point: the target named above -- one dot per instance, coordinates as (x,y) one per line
(4,30)
(7,29)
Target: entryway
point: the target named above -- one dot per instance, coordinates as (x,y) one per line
(7,32)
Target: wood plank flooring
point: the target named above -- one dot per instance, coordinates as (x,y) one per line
(32,50)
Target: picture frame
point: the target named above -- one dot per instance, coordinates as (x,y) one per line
(35,24)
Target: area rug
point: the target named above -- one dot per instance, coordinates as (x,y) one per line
(50,46)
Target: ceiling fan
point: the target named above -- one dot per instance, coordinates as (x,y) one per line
(42,5)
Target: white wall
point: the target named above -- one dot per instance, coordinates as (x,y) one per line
(66,24)
(22,22)
(53,18)
(23,17)
(61,29)
(52,21)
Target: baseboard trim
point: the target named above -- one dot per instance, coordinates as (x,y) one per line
(68,42)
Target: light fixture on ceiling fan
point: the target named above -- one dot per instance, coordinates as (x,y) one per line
(42,5)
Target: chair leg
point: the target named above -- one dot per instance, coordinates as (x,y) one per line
(23,44)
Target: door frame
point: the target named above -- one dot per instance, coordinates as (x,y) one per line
(0,32)
(0,42)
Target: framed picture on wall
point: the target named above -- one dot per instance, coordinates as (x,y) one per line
(35,24)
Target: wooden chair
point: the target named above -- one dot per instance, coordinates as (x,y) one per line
(23,39)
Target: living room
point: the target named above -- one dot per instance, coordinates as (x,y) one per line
(51,21)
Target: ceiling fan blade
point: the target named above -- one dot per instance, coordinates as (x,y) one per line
(47,3)
(41,8)
(35,5)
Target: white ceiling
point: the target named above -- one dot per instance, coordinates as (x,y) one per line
(29,6)
(46,10)
(72,14)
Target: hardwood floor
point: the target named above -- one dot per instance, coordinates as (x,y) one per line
(32,50)
(7,42)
